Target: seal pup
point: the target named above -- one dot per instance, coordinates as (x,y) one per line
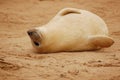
(71,30)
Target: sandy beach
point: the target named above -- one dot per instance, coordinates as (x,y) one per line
(19,60)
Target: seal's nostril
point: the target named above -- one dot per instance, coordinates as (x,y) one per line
(29,33)
(36,43)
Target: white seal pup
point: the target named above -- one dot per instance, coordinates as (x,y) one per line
(71,30)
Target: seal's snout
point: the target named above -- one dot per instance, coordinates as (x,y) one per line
(31,32)
(34,35)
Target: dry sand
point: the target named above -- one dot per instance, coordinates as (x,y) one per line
(19,61)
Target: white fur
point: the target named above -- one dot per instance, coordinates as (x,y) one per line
(71,30)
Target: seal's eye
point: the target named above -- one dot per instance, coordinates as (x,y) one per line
(36,43)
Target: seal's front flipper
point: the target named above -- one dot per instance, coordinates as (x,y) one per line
(101,40)
(66,11)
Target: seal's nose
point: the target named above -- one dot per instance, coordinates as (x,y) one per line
(35,37)
(33,34)
(31,31)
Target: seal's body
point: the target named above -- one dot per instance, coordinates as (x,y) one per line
(71,30)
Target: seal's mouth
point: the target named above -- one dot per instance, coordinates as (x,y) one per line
(33,34)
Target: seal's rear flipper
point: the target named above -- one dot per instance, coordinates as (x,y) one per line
(101,40)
